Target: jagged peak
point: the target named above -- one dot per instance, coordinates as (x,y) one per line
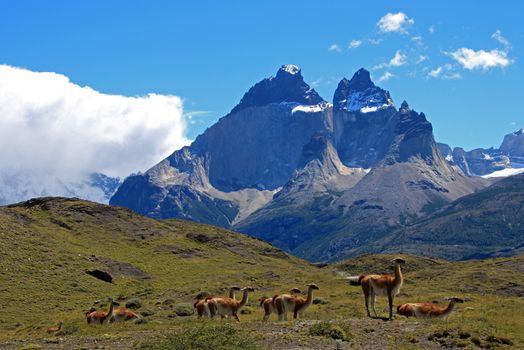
(404,107)
(361,80)
(290,69)
(360,94)
(287,86)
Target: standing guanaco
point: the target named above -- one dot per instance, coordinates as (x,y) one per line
(267,303)
(373,285)
(203,308)
(427,309)
(293,303)
(228,306)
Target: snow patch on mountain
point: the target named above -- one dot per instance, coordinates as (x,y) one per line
(369,100)
(504,173)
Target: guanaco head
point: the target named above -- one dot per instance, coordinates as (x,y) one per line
(236,288)
(455,299)
(312,286)
(295,291)
(248,289)
(398,261)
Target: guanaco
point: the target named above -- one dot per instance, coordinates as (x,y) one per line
(228,306)
(203,308)
(267,303)
(428,309)
(293,303)
(101,316)
(122,314)
(373,285)
(54,329)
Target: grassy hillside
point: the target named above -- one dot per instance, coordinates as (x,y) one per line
(487,223)
(47,245)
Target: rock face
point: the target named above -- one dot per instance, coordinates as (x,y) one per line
(238,163)
(482,161)
(321,180)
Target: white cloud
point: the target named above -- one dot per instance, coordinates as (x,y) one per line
(471,59)
(53,133)
(417,39)
(374,41)
(498,36)
(421,59)
(398,60)
(334,47)
(395,22)
(445,72)
(354,44)
(431,29)
(386,76)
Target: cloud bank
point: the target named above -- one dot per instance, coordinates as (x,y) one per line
(54,133)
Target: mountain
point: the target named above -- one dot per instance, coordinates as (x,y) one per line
(318,179)
(487,223)
(485,162)
(411,178)
(236,165)
(19,186)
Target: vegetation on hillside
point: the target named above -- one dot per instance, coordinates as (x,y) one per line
(158,267)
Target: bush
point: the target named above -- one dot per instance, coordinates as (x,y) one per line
(134,303)
(206,336)
(184,309)
(329,330)
(31,346)
(320,301)
(246,310)
(67,329)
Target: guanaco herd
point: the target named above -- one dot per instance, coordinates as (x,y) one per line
(292,302)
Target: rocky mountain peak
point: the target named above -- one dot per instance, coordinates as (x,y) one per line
(287,86)
(404,107)
(361,80)
(360,94)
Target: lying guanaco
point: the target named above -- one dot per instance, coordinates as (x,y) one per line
(373,285)
(267,303)
(54,329)
(428,309)
(101,316)
(293,303)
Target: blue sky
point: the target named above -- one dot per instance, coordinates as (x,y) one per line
(210,53)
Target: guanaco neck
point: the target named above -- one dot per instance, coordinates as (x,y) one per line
(232,293)
(398,275)
(309,299)
(111,307)
(449,308)
(244,299)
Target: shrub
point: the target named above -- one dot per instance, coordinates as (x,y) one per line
(246,310)
(329,330)
(134,303)
(68,329)
(206,336)
(184,309)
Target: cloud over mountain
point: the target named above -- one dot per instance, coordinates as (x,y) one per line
(55,131)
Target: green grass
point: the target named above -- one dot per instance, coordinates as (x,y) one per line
(47,248)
